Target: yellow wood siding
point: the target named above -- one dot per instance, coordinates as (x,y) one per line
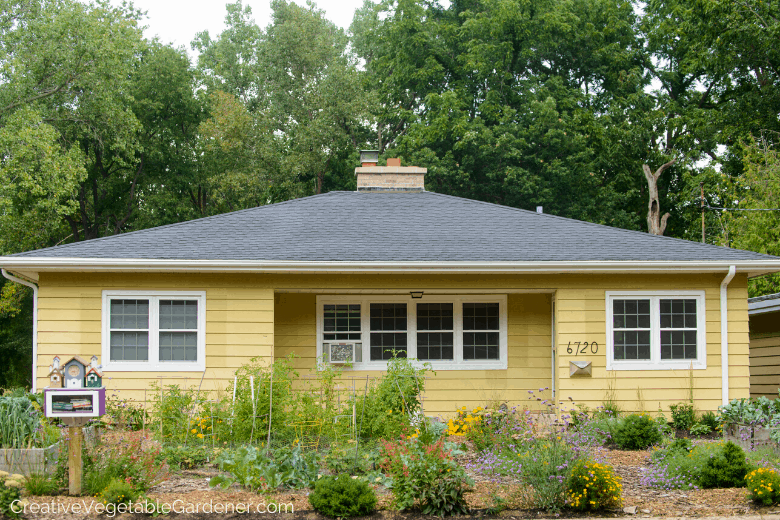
(258,315)
(764,364)
(239,325)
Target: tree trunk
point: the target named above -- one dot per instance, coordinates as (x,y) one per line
(656,224)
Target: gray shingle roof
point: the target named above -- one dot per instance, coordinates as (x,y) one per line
(391,227)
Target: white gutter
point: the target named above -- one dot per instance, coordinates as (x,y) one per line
(40,264)
(35,324)
(724,333)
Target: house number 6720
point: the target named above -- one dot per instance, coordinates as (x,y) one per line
(581,347)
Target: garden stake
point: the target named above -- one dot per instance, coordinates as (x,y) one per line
(357,432)
(270,410)
(190,412)
(254,410)
(233,406)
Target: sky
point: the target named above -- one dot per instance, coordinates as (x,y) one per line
(177,21)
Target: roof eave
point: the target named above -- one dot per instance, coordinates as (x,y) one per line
(31,266)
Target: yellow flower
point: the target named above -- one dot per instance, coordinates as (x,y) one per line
(194,430)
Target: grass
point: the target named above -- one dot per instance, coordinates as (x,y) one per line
(40,484)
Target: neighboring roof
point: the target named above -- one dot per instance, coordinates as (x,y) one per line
(394,228)
(763,304)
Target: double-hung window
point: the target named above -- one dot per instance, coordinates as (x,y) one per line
(154,330)
(656,330)
(449,332)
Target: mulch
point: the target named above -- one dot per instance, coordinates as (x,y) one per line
(190,488)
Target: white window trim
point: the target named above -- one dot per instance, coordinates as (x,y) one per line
(457,300)
(154,364)
(655,362)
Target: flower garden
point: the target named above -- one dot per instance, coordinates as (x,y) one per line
(292,441)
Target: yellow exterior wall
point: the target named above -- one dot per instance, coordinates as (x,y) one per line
(257,315)
(239,325)
(529,339)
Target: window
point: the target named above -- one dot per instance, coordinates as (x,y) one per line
(657,330)
(435,331)
(154,330)
(450,332)
(481,322)
(388,330)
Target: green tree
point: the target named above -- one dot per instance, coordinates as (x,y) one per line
(757,189)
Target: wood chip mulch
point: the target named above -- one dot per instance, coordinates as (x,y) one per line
(191,487)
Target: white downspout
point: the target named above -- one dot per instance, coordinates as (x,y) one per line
(724,332)
(35,325)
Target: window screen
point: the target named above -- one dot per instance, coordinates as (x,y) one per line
(129,330)
(178,325)
(434,331)
(480,331)
(631,329)
(678,329)
(341,322)
(388,330)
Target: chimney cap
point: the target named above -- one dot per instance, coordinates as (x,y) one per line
(369,156)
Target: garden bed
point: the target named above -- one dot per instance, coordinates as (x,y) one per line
(191,487)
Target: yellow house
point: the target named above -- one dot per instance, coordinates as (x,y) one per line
(498,300)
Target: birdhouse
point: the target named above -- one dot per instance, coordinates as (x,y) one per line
(94,378)
(55,374)
(74,372)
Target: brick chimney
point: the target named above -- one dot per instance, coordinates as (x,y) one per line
(390,178)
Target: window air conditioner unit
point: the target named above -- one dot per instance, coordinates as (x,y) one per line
(342,352)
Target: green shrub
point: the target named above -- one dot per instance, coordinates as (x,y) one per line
(545,464)
(39,484)
(126,461)
(710,419)
(593,486)
(117,492)
(683,416)
(186,457)
(392,401)
(764,486)
(249,467)
(343,496)
(636,432)
(680,445)
(426,477)
(9,493)
(700,429)
(726,469)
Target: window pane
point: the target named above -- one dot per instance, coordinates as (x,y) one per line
(678,344)
(384,343)
(632,344)
(342,318)
(678,314)
(388,316)
(434,316)
(342,336)
(178,346)
(480,345)
(434,345)
(480,316)
(178,314)
(129,346)
(631,314)
(129,314)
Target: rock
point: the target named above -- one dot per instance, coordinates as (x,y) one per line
(646,511)
(630,510)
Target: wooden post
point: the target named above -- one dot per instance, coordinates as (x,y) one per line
(76,437)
